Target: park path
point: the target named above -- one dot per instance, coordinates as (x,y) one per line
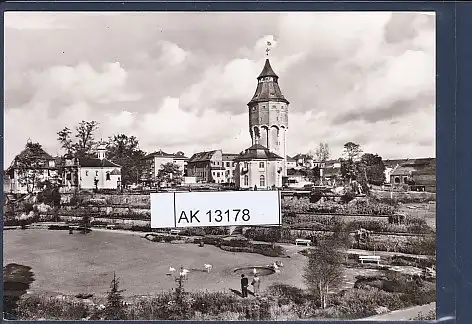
(402,314)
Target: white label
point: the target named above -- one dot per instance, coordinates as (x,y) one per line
(217,208)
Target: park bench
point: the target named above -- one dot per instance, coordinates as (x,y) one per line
(111,226)
(174,231)
(302,241)
(369,258)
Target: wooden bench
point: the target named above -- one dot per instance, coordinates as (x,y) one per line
(369,258)
(302,241)
(174,231)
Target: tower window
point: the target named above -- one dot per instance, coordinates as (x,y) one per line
(246,180)
(261,165)
(262,181)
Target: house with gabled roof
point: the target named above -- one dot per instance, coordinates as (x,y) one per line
(24,178)
(159,158)
(207,167)
(91,172)
(258,168)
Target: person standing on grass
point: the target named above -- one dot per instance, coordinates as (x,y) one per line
(244,284)
(256,283)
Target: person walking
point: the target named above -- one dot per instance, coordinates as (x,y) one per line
(256,283)
(244,285)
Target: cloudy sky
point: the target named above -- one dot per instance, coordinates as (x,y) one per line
(181,81)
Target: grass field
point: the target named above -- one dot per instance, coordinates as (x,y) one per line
(72,264)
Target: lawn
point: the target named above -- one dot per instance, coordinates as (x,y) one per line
(73,264)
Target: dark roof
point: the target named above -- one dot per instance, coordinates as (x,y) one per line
(96,163)
(257,151)
(290,159)
(267,70)
(41,154)
(331,172)
(161,153)
(229,156)
(303,156)
(410,162)
(202,156)
(268,90)
(115,172)
(295,172)
(402,170)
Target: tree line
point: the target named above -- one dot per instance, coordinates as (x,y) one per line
(124,150)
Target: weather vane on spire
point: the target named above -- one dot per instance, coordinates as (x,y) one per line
(269,44)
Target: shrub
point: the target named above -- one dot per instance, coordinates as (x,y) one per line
(36,307)
(287,294)
(358,303)
(347,197)
(271,234)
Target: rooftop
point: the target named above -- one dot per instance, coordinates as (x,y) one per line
(268,90)
(161,153)
(96,163)
(202,156)
(257,151)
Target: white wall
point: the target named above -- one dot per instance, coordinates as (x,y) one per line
(88,174)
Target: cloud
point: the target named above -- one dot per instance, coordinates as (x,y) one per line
(348,76)
(67,84)
(34,21)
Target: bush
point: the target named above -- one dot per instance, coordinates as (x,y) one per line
(272,234)
(287,294)
(359,303)
(348,196)
(37,307)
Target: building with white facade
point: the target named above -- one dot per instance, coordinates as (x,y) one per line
(91,173)
(159,158)
(258,168)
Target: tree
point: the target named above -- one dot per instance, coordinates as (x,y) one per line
(125,151)
(322,153)
(30,165)
(115,307)
(348,170)
(352,151)
(349,162)
(85,140)
(50,195)
(374,168)
(169,173)
(323,271)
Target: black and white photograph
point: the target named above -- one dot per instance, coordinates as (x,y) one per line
(331,113)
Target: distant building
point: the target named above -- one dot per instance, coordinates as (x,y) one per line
(258,167)
(156,160)
(207,167)
(303,161)
(90,172)
(229,165)
(418,174)
(27,182)
(291,163)
(331,172)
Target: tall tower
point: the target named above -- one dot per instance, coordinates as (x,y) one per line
(268,114)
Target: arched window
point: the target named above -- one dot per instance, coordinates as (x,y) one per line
(397,179)
(108,175)
(246,180)
(262,181)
